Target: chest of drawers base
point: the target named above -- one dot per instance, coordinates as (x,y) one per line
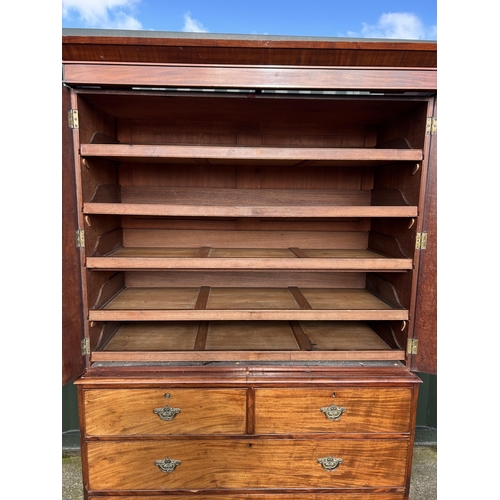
(313,436)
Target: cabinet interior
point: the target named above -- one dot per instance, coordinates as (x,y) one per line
(249,226)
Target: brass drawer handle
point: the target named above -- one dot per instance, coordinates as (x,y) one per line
(167,413)
(167,465)
(330,463)
(333,412)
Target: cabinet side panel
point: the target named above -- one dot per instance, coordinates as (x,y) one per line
(425,330)
(72,325)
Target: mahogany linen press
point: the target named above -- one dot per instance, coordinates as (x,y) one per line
(249,262)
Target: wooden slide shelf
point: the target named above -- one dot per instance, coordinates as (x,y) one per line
(246,258)
(242,340)
(245,303)
(237,249)
(237,155)
(224,202)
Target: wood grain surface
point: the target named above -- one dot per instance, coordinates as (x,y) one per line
(246,463)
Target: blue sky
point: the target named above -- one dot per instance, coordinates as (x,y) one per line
(403,19)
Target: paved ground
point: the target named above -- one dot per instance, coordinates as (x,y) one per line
(423,481)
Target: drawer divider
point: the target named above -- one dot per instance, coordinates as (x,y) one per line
(250,426)
(300,336)
(201,301)
(201,336)
(299,297)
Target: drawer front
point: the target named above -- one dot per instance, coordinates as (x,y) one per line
(352,410)
(164,411)
(246,464)
(263,496)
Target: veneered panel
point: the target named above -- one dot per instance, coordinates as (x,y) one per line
(425,330)
(72,321)
(158,47)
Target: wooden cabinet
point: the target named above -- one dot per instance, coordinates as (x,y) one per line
(249,245)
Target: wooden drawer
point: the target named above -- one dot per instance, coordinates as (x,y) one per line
(246,464)
(270,496)
(148,411)
(354,410)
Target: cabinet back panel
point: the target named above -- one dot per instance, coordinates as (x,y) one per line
(410,125)
(180,132)
(199,176)
(92,119)
(151,279)
(244,239)
(314,178)
(258,224)
(232,133)
(227,197)
(275,112)
(228,176)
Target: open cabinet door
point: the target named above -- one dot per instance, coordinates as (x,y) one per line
(73,362)
(425,330)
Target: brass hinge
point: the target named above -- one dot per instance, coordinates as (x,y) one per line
(412,346)
(421,241)
(80,238)
(73,118)
(85,347)
(431,126)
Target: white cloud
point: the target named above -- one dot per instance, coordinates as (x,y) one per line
(192,25)
(399,25)
(108,14)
